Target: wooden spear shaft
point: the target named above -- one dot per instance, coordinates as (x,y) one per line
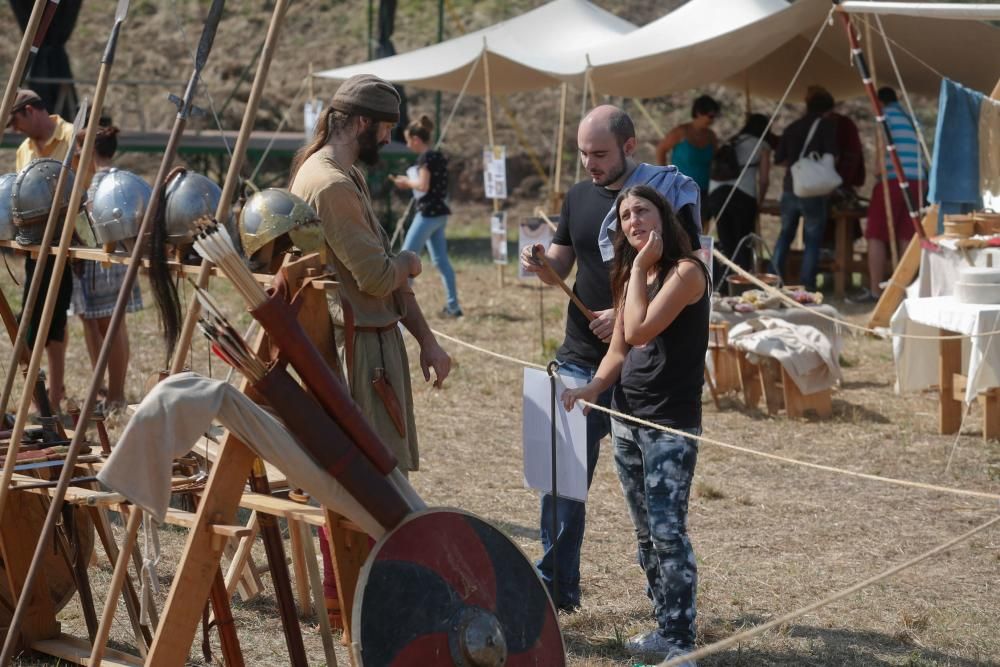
(544,262)
(30,42)
(115,588)
(269,530)
(232,177)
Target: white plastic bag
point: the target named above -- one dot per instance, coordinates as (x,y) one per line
(814,175)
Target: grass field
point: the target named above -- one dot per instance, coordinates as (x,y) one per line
(769,537)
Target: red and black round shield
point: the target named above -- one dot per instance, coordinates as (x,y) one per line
(447,588)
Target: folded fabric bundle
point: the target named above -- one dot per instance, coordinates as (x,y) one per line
(803,351)
(172,418)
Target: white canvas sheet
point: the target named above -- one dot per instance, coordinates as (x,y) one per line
(571,438)
(525,53)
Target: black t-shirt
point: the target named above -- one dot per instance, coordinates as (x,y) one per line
(432,204)
(661,381)
(583,212)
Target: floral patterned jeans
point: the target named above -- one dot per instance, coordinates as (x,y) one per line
(655,469)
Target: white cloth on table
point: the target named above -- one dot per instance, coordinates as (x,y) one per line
(813,315)
(917,360)
(939,270)
(803,351)
(169,421)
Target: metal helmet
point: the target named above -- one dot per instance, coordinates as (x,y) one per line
(7,229)
(117,206)
(31,198)
(272,212)
(189,197)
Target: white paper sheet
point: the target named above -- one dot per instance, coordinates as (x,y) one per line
(571,438)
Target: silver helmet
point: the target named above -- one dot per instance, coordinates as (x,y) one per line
(31,198)
(7,229)
(189,197)
(272,212)
(117,206)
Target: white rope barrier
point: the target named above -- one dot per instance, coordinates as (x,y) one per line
(737,448)
(732,640)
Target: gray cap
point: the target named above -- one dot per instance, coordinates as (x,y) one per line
(368,95)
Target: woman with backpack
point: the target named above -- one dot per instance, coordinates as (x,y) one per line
(739,217)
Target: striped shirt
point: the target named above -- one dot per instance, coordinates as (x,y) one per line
(904,136)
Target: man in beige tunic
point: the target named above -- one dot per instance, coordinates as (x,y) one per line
(374,281)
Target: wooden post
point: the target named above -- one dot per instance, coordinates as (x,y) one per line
(880,166)
(949,365)
(490,134)
(560,139)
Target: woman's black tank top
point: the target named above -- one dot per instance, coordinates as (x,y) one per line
(662,381)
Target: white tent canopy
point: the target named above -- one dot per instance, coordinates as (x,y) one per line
(534,50)
(759,44)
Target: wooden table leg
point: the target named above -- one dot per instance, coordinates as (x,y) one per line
(842,255)
(949,364)
(990,400)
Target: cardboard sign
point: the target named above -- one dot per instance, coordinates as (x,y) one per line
(571,437)
(495,172)
(498,236)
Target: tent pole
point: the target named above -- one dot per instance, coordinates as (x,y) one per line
(746,93)
(489,132)
(437,95)
(560,139)
(583,110)
(590,80)
(880,165)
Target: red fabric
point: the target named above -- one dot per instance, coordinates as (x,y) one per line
(851,161)
(878,227)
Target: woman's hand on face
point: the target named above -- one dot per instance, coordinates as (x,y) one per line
(650,253)
(571,396)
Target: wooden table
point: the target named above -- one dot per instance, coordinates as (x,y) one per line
(844,262)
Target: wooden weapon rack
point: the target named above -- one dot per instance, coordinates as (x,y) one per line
(213,531)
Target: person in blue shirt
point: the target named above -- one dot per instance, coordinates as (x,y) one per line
(691,145)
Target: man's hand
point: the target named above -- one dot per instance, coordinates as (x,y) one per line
(528,261)
(433,356)
(413,259)
(604,324)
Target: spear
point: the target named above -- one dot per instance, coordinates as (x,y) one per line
(34,35)
(270,532)
(24,599)
(44,249)
(858,55)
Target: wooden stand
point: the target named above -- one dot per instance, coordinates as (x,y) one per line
(770,380)
(952,392)
(904,274)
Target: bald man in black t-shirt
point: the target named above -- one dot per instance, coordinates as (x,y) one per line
(606,140)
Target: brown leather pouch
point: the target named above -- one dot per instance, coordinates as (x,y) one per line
(389,399)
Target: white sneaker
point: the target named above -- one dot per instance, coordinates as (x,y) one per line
(654,646)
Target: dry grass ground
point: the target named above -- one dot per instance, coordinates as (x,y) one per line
(769,537)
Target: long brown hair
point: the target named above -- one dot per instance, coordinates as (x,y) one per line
(676,245)
(421,128)
(329,122)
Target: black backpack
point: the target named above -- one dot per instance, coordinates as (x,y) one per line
(725,165)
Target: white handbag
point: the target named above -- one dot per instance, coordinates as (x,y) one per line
(814,175)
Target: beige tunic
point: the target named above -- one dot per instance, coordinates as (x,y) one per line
(359,250)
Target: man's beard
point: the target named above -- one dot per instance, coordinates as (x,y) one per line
(615,174)
(368,146)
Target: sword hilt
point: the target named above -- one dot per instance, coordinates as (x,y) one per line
(193,111)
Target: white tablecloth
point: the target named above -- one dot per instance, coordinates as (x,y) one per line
(917,360)
(939,270)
